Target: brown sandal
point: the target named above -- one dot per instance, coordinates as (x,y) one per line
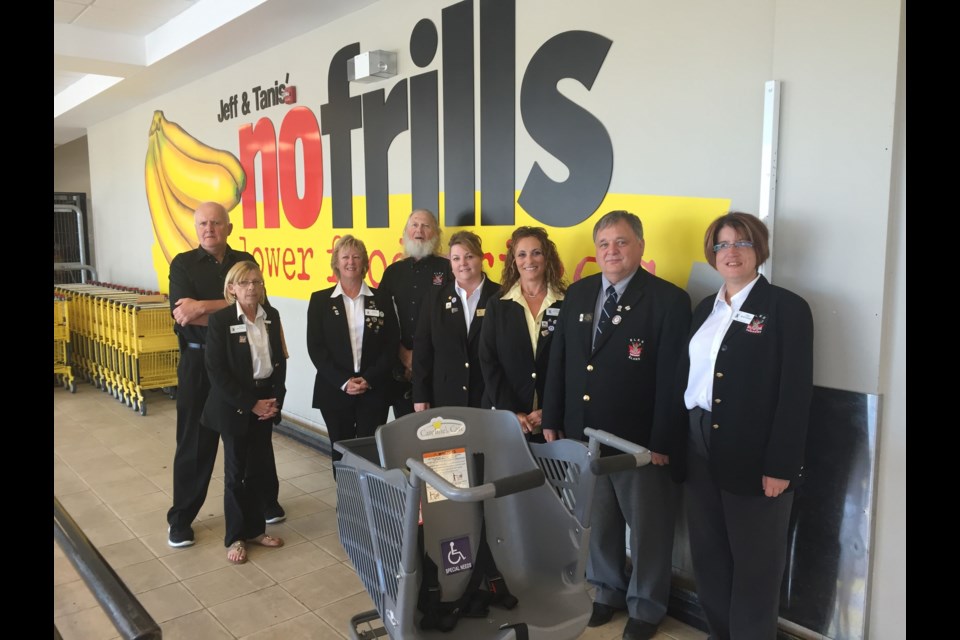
(266,541)
(237,552)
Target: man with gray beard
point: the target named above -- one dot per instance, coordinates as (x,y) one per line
(407,282)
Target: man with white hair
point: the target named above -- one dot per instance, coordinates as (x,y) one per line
(407,282)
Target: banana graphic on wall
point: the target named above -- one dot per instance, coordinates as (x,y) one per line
(180,174)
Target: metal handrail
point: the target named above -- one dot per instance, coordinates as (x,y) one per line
(121,606)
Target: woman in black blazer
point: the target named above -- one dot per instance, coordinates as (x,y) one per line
(248,371)
(352,338)
(747,384)
(446,365)
(518,328)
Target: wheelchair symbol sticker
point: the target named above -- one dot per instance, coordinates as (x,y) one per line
(456,555)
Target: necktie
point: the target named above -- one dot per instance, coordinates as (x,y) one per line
(609,308)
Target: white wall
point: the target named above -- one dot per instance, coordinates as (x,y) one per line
(889,580)
(681,96)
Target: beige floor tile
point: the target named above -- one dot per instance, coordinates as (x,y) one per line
(199,625)
(338,614)
(314,481)
(285,454)
(303,505)
(111,472)
(193,561)
(166,603)
(212,507)
(257,611)
(289,561)
(77,503)
(71,597)
(145,524)
(609,631)
(146,576)
(680,631)
(287,490)
(316,524)
(300,467)
(228,583)
(164,479)
(305,627)
(63,570)
(123,554)
(108,533)
(322,587)
(118,434)
(284,530)
(331,544)
(68,486)
(111,492)
(89,624)
(327,496)
(95,517)
(134,506)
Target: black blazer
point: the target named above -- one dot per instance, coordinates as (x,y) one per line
(762,387)
(626,385)
(512,371)
(230,368)
(446,362)
(328,342)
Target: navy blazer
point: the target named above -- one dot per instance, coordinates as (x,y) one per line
(230,368)
(625,385)
(512,371)
(330,349)
(446,362)
(762,386)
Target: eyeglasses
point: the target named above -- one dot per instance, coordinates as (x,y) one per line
(739,244)
(250,283)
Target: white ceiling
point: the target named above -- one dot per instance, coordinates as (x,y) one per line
(111,55)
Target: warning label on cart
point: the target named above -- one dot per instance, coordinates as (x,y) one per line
(451,465)
(440,428)
(456,555)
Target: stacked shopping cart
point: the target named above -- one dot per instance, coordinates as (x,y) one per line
(123,340)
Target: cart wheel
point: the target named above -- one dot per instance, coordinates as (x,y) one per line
(72,388)
(143,407)
(128,400)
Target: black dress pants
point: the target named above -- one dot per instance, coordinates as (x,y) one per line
(196,445)
(738,545)
(358,417)
(247,477)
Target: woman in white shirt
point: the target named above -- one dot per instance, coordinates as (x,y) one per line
(747,384)
(352,338)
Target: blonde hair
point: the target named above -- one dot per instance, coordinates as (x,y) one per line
(236,274)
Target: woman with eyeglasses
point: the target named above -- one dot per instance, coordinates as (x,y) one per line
(747,384)
(247,368)
(352,338)
(518,328)
(446,366)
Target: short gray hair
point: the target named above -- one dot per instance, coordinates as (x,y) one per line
(613,217)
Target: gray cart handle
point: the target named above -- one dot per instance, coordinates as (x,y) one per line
(497,488)
(634,455)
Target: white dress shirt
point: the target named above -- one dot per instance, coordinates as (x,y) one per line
(259,341)
(705,345)
(469,302)
(354,308)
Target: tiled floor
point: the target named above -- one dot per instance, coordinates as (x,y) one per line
(112,473)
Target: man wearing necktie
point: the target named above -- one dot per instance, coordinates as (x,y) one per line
(613,363)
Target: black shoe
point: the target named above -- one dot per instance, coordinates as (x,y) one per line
(602,614)
(275,516)
(180,538)
(638,629)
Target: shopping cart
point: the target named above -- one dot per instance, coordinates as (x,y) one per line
(451,527)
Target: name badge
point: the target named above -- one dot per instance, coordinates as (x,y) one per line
(553,311)
(743,316)
(238,328)
(480,312)
(371,312)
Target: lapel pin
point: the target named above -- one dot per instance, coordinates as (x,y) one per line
(616,319)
